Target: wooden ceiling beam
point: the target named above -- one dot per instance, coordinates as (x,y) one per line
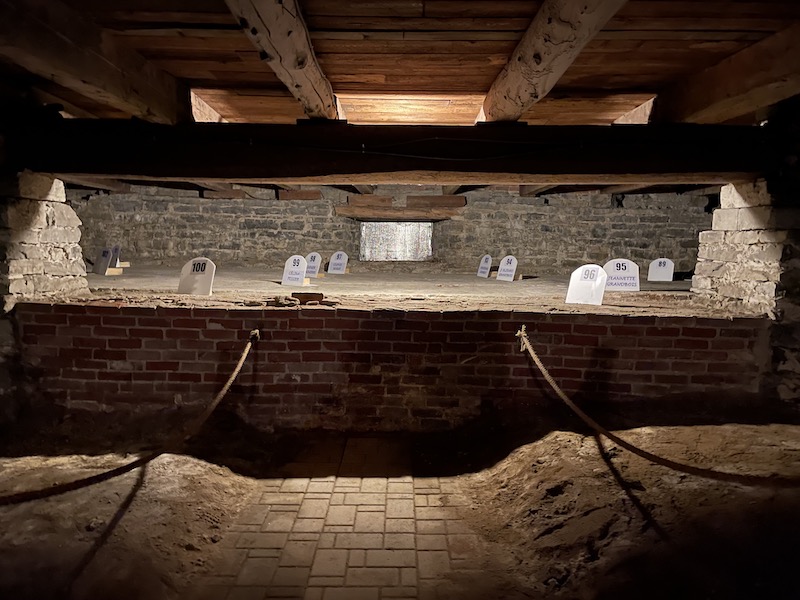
(532,190)
(754,78)
(52,40)
(334,153)
(365,189)
(96,183)
(278,31)
(554,39)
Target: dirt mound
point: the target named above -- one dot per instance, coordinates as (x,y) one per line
(585,527)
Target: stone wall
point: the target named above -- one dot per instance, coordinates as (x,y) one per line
(548,235)
(379,370)
(172,226)
(559,232)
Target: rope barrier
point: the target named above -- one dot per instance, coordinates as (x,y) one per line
(772,481)
(171,445)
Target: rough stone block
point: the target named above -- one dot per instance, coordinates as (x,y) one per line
(743,195)
(726,219)
(712,237)
(758,217)
(34,186)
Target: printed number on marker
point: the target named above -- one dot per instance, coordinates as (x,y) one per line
(662,263)
(621,266)
(295,262)
(199,267)
(589,274)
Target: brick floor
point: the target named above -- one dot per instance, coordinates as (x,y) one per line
(352,524)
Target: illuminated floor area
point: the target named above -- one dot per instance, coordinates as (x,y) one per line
(349,522)
(413,291)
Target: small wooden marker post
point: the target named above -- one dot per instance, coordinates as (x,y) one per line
(623,275)
(294,271)
(661,269)
(197,277)
(587,284)
(338,263)
(507,268)
(485,266)
(313,262)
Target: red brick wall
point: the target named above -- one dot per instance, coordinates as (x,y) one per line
(382,369)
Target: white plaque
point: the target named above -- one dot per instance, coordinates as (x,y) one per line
(661,269)
(313,263)
(623,275)
(507,269)
(102,261)
(338,263)
(485,266)
(197,277)
(294,270)
(587,285)
(115,252)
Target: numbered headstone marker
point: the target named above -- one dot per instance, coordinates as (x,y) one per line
(485,266)
(115,252)
(587,284)
(623,275)
(314,262)
(507,269)
(661,269)
(294,271)
(338,263)
(197,277)
(102,262)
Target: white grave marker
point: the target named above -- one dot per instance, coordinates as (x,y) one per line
(313,262)
(197,277)
(485,266)
(338,263)
(587,284)
(507,269)
(102,262)
(294,271)
(623,275)
(661,269)
(115,252)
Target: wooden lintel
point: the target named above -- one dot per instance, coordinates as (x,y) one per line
(370,201)
(450,190)
(754,78)
(108,185)
(624,189)
(343,154)
(435,201)
(532,190)
(299,195)
(365,189)
(203,112)
(554,39)
(364,213)
(278,31)
(56,42)
(217,186)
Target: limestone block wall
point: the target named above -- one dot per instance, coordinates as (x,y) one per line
(548,235)
(172,226)
(40,237)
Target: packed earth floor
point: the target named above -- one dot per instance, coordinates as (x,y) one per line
(532,509)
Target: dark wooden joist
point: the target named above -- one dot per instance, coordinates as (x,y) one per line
(333,153)
(370,201)
(552,42)
(278,31)
(96,183)
(532,190)
(299,195)
(52,40)
(752,79)
(624,189)
(365,189)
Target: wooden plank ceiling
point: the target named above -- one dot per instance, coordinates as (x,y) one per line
(433,61)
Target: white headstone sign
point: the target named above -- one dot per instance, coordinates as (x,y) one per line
(507,269)
(294,271)
(313,262)
(661,269)
(485,266)
(115,252)
(623,275)
(197,277)
(338,263)
(587,284)
(102,262)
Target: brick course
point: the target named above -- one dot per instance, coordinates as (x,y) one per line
(375,370)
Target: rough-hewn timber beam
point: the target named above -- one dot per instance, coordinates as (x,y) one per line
(278,31)
(52,40)
(109,185)
(331,153)
(532,190)
(365,189)
(754,78)
(557,34)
